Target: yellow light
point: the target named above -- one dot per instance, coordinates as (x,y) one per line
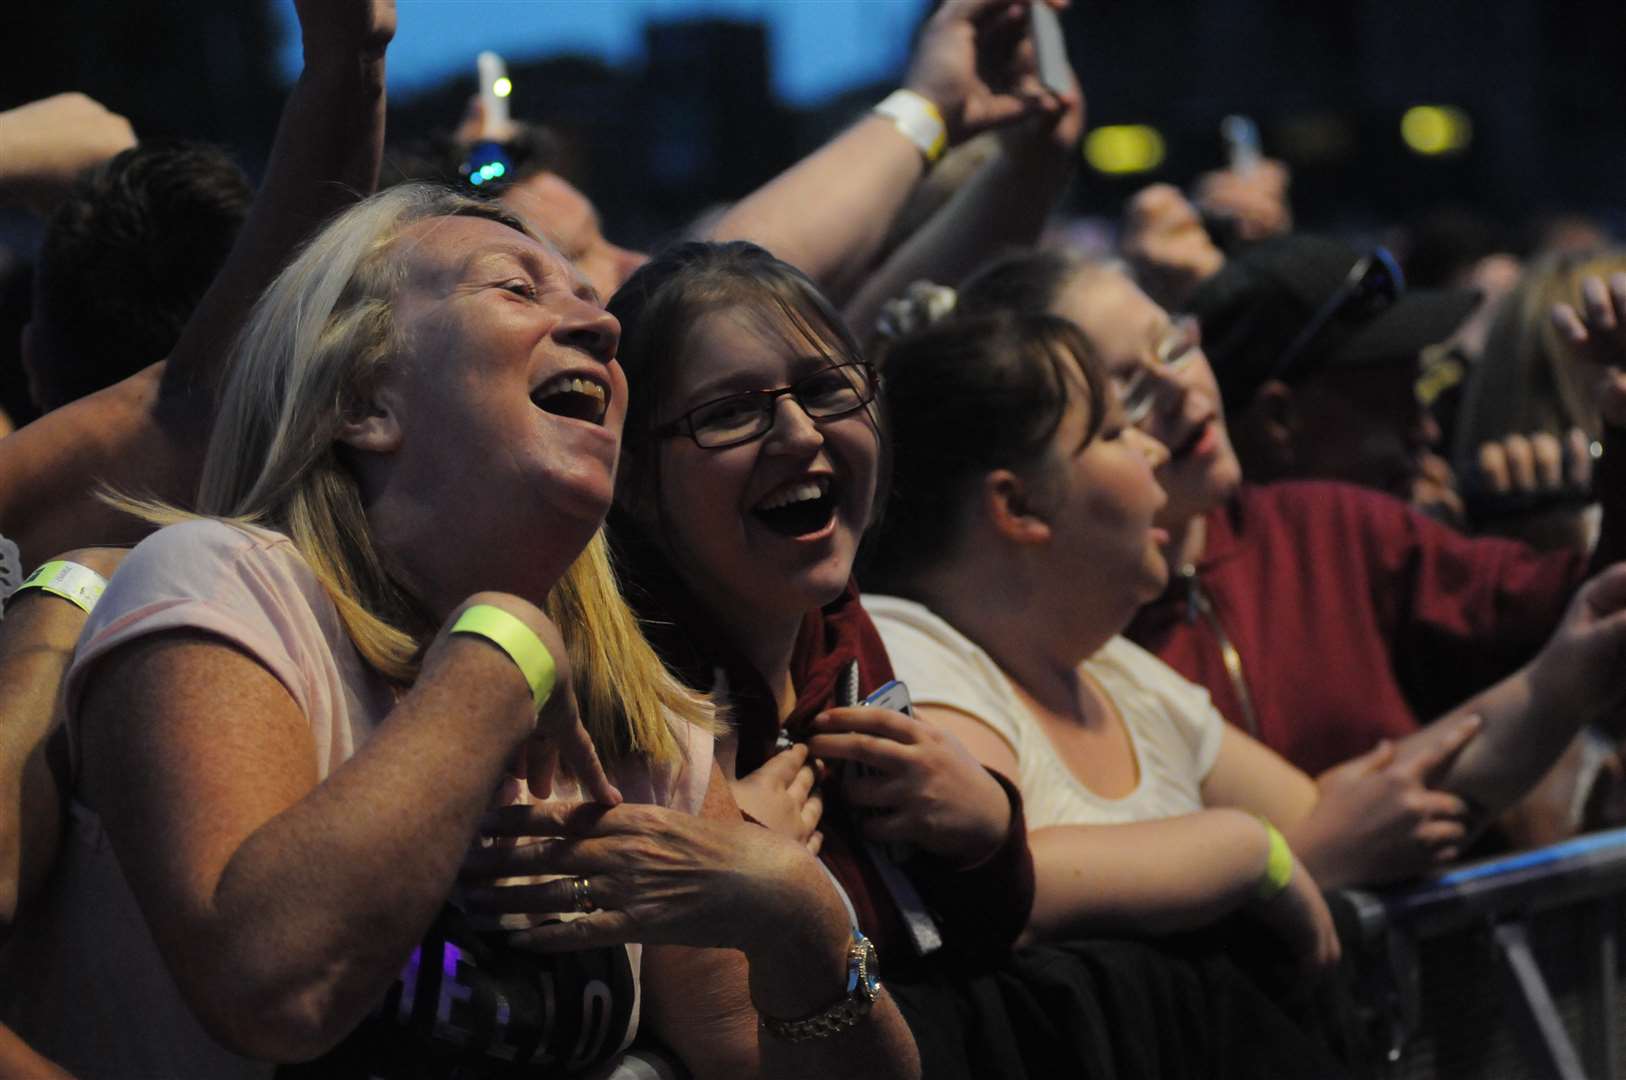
(502,87)
(1122,149)
(1433,130)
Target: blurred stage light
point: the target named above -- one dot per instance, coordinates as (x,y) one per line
(1123,149)
(502,87)
(1434,130)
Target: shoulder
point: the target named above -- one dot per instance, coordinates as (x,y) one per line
(1133,675)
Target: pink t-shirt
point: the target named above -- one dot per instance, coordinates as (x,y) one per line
(81,979)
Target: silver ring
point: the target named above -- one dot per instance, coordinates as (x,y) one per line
(581,894)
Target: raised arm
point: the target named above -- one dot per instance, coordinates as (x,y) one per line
(828,214)
(1003,205)
(148,432)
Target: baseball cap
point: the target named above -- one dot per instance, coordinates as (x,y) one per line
(1256,308)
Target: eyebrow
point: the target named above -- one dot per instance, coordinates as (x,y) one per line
(527,257)
(744,382)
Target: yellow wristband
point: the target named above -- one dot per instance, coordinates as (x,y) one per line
(77,584)
(516,639)
(1278,865)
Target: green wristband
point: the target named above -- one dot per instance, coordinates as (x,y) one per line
(516,639)
(1278,865)
(77,584)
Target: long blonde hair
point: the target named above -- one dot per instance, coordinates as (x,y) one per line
(1530,378)
(317,340)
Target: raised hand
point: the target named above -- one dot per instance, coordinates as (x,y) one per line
(926,790)
(783,795)
(1583,664)
(1256,200)
(1376,818)
(46,144)
(344,27)
(1163,237)
(976,62)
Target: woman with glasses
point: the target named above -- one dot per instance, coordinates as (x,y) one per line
(754,457)
(1321,618)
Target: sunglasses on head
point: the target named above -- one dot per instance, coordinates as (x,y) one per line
(1372,284)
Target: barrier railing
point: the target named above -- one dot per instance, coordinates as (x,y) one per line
(1506,967)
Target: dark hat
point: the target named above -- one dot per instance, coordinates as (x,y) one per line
(1254,309)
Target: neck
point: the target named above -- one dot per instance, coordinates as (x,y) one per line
(1012,624)
(767,644)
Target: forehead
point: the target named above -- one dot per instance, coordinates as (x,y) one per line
(744,348)
(1116,317)
(556,209)
(446,247)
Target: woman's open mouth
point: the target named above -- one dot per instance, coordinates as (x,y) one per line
(575,397)
(798,509)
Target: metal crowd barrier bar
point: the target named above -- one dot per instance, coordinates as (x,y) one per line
(1504,968)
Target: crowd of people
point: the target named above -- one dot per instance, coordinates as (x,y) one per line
(864,638)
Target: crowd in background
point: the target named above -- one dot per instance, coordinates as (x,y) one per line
(867,636)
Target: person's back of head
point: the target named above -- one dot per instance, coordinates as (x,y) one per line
(125,260)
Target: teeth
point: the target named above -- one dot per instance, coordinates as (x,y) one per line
(564,384)
(802,492)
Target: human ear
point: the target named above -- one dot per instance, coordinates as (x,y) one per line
(372,422)
(1007,504)
(1278,423)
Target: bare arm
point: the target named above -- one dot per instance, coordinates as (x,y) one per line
(147,433)
(36,646)
(285,905)
(45,145)
(1152,876)
(1531,716)
(829,213)
(1003,205)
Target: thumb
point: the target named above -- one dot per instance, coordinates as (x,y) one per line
(784,766)
(1377,758)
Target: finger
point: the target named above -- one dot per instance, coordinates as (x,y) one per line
(1600,311)
(1617,298)
(594,857)
(812,814)
(884,723)
(802,786)
(537,898)
(1606,592)
(1439,805)
(815,843)
(1521,463)
(1448,854)
(590,931)
(541,763)
(1493,470)
(1578,459)
(1438,834)
(1548,455)
(883,754)
(580,758)
(784,766)
(1442,749)
(1568,322)
(1377,758)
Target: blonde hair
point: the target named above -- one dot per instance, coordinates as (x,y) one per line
(1530,378)
(320,336)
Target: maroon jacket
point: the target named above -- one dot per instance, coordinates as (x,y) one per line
(1353,616)
(980,910)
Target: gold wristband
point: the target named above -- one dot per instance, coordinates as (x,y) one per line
(516,639)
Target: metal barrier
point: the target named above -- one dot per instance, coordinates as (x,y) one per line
(1505,968)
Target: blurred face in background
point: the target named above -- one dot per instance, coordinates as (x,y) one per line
(1161,365)
(558,210)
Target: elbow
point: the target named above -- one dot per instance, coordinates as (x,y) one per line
(275,1025)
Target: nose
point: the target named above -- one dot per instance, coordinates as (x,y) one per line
(588,327)
(793,432)
(1149,448)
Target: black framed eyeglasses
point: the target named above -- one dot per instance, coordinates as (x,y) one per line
(827,394)
(1372,284)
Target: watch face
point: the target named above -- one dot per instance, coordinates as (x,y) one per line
(869,970)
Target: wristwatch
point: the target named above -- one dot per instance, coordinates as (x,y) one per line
(863,986)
